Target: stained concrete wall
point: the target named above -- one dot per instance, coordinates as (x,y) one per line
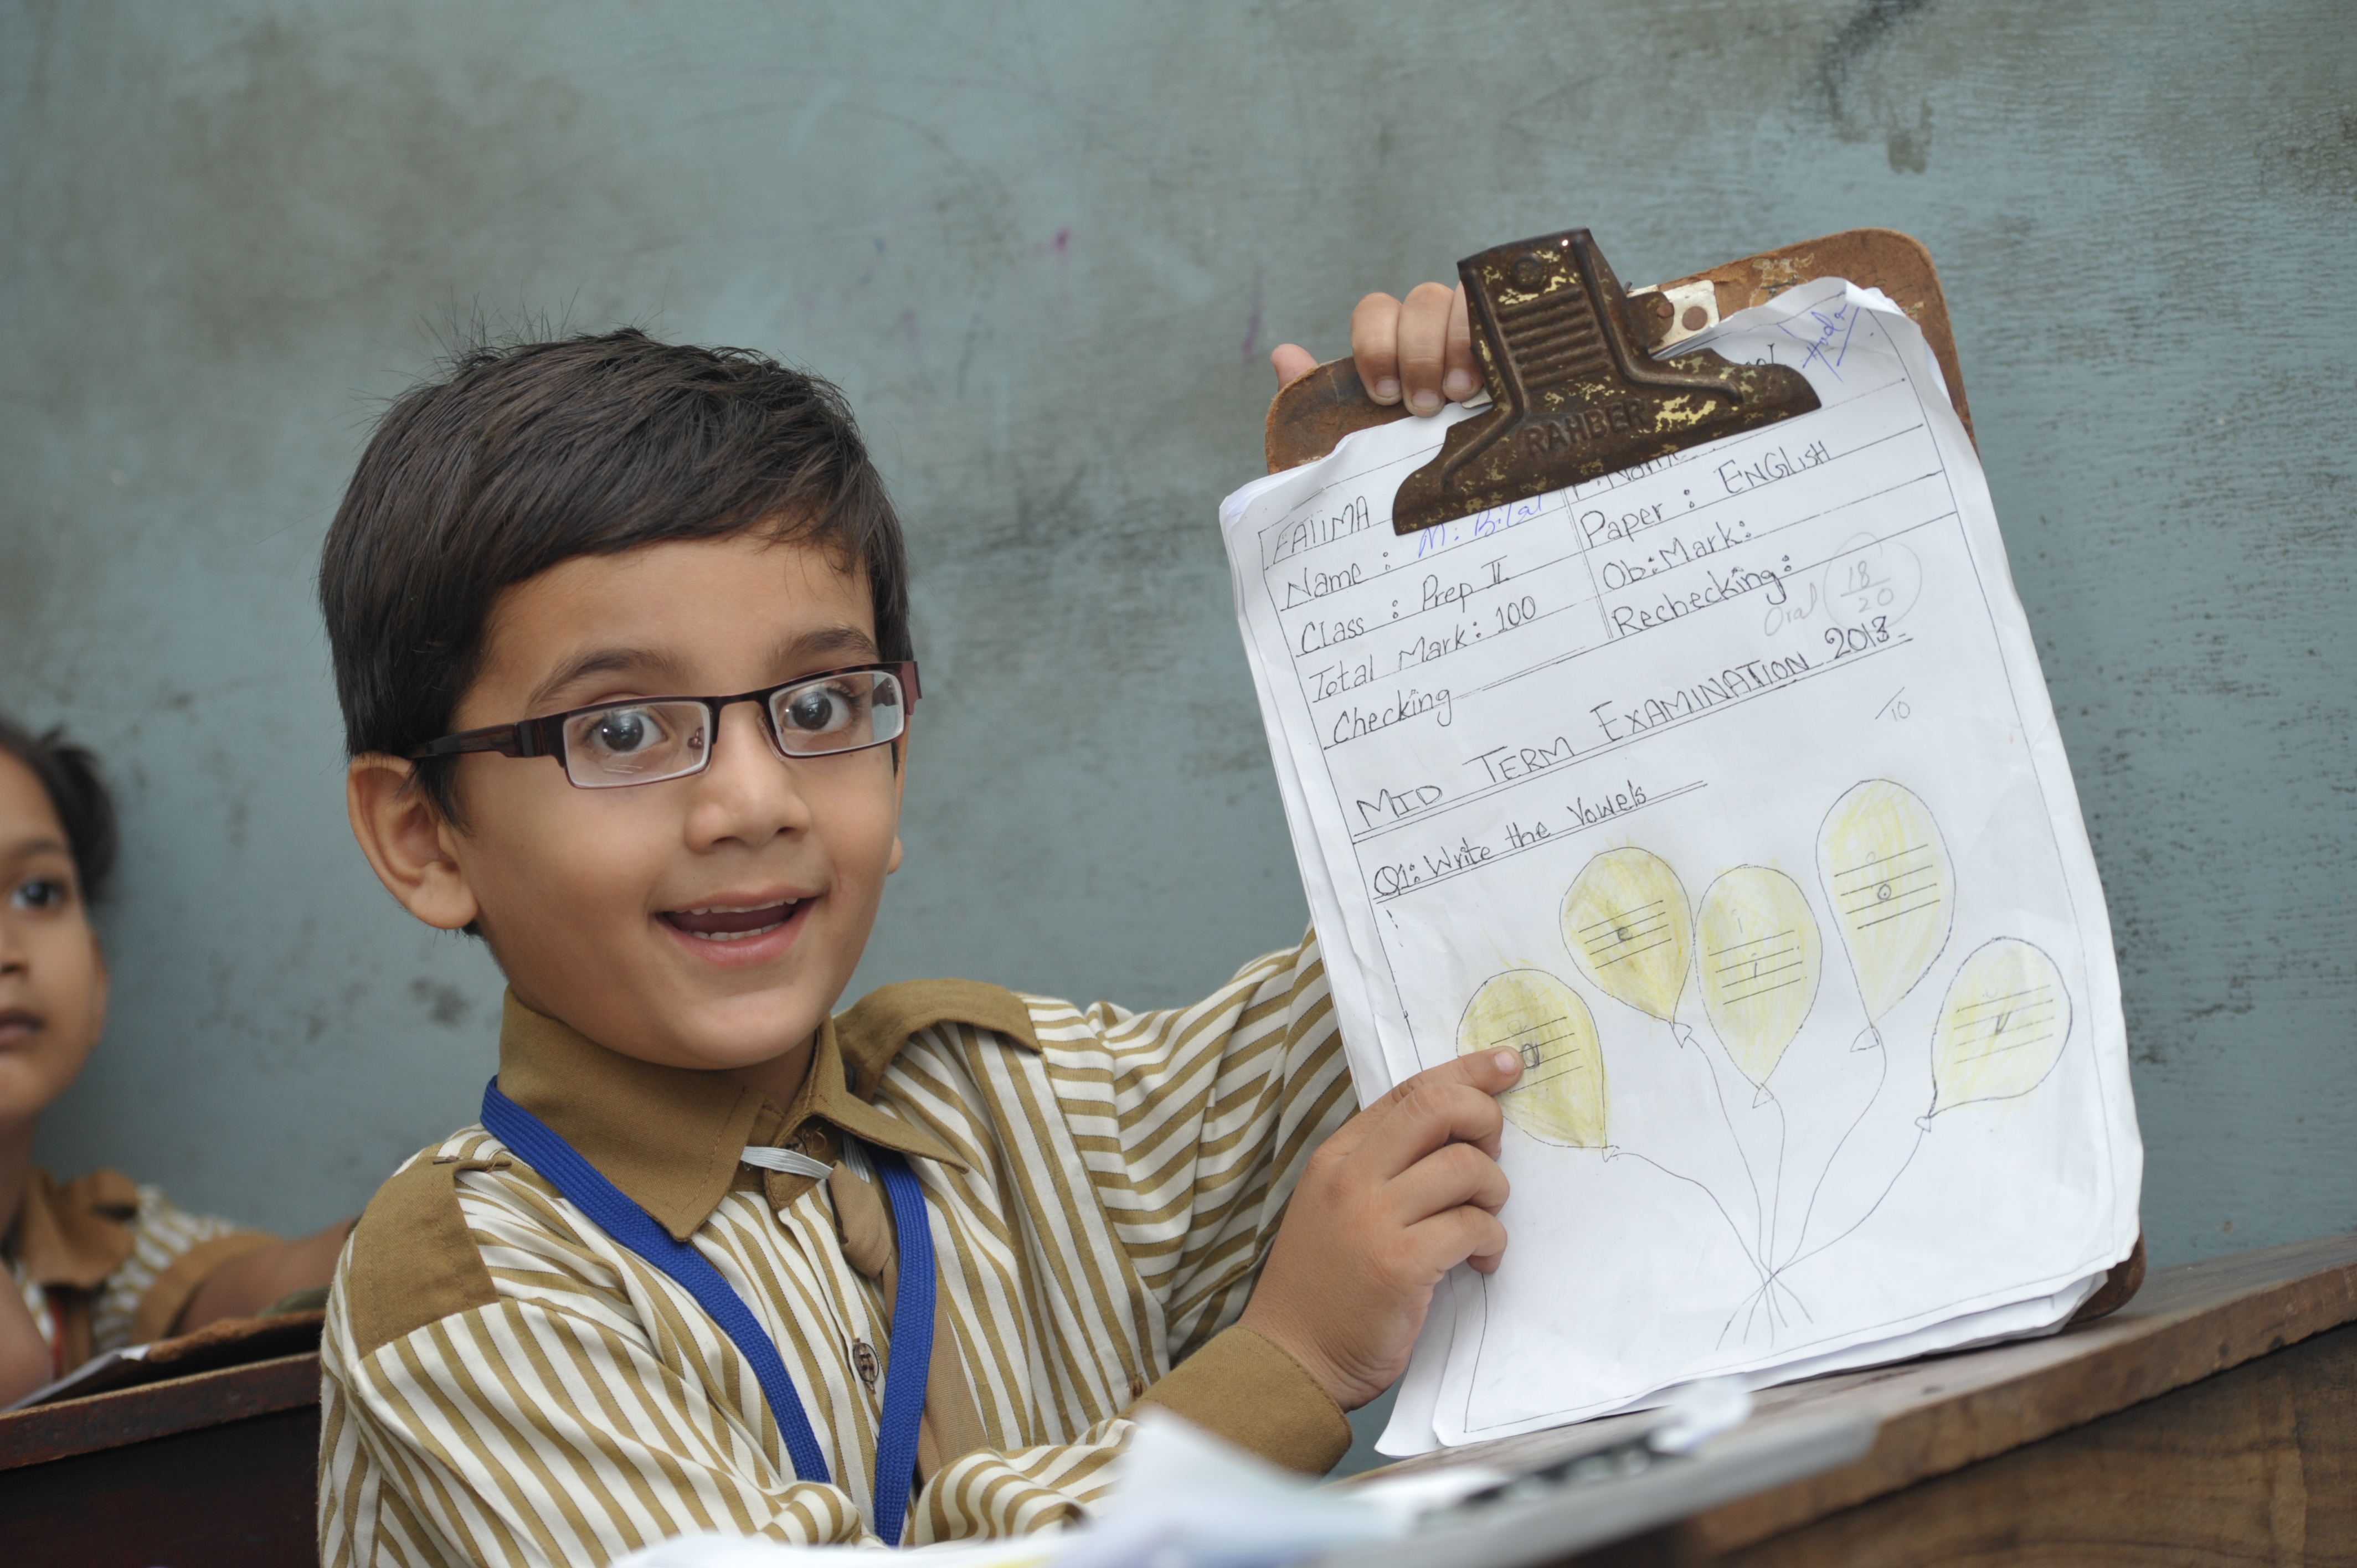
(1045,249)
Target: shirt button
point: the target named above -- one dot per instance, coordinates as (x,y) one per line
(864,1357)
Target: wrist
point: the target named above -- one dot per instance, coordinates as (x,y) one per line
(1247,1390)
(1280,1327)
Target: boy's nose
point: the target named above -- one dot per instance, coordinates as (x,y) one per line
(747,790)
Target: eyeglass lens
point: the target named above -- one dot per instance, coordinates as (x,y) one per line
(644,743)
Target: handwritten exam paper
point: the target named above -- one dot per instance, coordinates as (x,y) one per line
(1726,792)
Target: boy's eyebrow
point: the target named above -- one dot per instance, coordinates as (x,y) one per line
(830,641)
(827,641)
(599,661)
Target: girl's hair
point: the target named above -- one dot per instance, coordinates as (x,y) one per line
(69,775)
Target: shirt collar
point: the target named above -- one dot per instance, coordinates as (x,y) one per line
(672,1139)
(77,1234)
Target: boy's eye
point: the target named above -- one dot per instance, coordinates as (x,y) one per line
(627,745)
(815,710)
(623,731)
(40,893)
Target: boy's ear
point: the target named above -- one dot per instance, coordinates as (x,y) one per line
(407,842)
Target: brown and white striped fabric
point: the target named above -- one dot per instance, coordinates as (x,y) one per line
(102,1262)
(505,1384)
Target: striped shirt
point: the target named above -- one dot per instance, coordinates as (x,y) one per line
(506,1384)
(103,1263)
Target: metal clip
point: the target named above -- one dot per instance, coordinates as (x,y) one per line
(1572,392)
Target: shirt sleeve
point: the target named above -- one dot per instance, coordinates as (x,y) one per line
(1195,1123)
(172,1253)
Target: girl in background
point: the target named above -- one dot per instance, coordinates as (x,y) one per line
(102,1261)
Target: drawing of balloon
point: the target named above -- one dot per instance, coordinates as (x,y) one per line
(1893,891)
(2002,1027)
(1627,924)
(1758,957)
(1560,1096)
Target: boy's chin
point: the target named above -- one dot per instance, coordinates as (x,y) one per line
(736,1033)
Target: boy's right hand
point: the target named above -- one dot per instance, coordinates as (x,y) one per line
(1405,1191)
(1419,349)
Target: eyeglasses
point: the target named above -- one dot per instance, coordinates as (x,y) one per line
(653,738)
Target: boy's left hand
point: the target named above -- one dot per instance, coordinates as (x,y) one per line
(1405,1191)
(1419,349)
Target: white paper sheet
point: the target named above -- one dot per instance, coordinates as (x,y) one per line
(1727,791)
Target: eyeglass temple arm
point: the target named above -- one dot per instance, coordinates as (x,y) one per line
(524,739)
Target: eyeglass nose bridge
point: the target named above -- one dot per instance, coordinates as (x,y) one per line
(763,705)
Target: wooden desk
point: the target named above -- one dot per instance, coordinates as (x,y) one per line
(2214,1419)
(216,1470)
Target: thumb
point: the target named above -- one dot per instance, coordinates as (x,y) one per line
(1291,361)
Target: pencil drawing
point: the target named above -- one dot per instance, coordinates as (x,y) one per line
(1761,957)
(1892,888)
(1561,1096)
(2002,1027)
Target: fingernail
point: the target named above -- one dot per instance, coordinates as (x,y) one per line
(1508,1062)
(1458,385)
(1387,391)
(1425,403)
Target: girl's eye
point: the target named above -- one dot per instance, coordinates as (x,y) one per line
(40,893)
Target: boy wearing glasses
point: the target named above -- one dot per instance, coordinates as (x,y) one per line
(621,638)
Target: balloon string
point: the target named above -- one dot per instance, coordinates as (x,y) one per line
(1755,1248)
(1913,1149)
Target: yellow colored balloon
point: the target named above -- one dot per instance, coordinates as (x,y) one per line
(1627,924)
(1886,869)
(1758,957)
(2002,1027)
(1560,1096)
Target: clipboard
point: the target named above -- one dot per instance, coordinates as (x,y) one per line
(1310,415)
(1589,362)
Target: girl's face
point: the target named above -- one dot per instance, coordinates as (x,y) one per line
(52,980)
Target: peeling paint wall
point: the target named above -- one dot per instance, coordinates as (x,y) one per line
(1046,249)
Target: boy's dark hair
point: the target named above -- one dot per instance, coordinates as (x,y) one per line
(526,455)
(69,775)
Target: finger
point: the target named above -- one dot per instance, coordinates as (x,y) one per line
(1461,372)
(1492,1073)
(1451,1176)
(1424,344)
(1432,1114)
(1291,361)
(1374,344)
(1459,1236)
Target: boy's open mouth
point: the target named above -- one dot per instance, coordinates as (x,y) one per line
(17,1025)
(716,924)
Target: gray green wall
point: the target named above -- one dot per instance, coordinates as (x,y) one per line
(1046,248)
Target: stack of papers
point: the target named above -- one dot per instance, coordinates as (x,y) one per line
(1725,791)
(1185,1500)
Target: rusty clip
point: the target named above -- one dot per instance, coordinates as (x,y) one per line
(1572,392)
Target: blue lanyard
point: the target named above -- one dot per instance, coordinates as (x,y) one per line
(562,1166)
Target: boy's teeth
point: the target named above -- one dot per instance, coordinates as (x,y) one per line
(728,922)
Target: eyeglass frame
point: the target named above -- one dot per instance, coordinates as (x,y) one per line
(545,736)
